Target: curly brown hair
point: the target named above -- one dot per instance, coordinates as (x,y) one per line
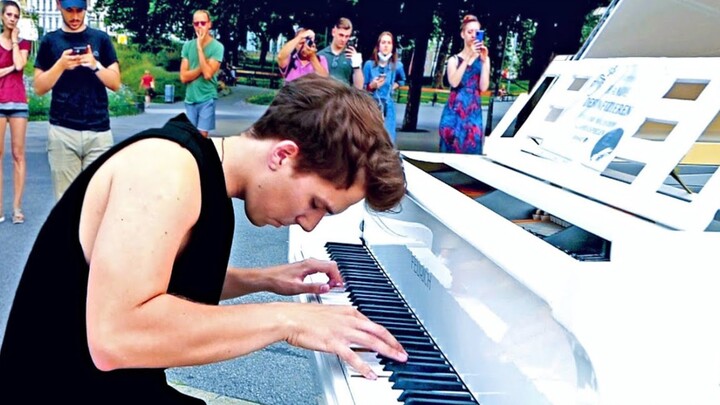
(341,137)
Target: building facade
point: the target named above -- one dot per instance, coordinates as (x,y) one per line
(50,19)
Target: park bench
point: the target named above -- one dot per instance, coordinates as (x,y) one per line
(430,90)
(252,77)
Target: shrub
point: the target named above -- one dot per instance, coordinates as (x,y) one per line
(123,102)
(262,98)
(38,106)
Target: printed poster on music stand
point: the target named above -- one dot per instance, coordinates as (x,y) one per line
(608,110)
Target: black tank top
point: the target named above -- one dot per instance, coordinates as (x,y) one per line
(45,340)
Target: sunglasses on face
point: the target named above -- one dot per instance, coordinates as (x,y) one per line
(200,23)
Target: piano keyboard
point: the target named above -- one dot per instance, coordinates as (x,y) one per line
(427,377)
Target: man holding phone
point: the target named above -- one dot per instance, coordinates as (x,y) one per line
(344,61)
(77,63)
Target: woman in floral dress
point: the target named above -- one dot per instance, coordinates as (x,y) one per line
(461,123)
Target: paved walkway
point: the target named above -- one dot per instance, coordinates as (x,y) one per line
(279,374)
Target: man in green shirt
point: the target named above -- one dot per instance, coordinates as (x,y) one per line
(201,59)
(343,59)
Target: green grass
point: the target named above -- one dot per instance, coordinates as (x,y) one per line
(262,98)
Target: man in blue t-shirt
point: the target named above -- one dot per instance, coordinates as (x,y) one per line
(77,63)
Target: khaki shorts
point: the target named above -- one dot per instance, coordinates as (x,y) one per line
(71,151)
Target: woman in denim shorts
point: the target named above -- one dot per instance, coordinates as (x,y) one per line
(13,102)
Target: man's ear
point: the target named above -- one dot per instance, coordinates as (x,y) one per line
(281,152)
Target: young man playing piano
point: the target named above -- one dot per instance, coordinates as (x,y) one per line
(125,276)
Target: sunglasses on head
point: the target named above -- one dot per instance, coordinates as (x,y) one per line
(200,23)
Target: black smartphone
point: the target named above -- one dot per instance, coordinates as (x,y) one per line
(79,50)
(480,35)
(352,42)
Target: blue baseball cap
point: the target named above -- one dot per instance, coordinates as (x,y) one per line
(73,3)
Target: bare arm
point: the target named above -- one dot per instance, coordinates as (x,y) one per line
(110,76)
(187,75)
(456,71)
(283,57)
(6,70)
(208,67)
(358,78)
(485,73)
(19,56)
(45,79)
(131,319)
(286,279)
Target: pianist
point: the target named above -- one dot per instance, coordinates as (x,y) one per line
(126,273)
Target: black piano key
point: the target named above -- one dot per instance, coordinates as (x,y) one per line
(416,352)
(378,300)
(419,367)
(419,374)
(437,395)
(419,346)
(388,313)
(416,359)
(405,330)
(375,294)
(384,320)
(428,384)
(350,284)
(427,377)
(412,339)
(422,401)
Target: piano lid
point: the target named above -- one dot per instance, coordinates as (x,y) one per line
(638,134)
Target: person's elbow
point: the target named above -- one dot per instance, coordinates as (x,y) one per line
(39,88)
(105,348)
(114,86)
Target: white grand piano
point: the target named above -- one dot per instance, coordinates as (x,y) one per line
(577,262)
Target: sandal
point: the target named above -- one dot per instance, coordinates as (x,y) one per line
(18,217)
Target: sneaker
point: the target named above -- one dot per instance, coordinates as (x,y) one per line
(18,217)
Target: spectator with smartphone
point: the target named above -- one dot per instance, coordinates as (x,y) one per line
(343,58)
(461,122)
(383,75)
(201,60)
(78,64)
(299,57)
(13,103)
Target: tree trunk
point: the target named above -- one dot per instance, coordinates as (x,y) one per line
(264,48)
(443,55)
(417,67)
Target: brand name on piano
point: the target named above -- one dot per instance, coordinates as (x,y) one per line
(421,272)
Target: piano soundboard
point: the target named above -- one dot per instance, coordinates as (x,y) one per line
(575,263)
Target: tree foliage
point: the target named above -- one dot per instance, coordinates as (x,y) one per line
(543,28)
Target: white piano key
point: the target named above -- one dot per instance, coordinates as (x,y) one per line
(371,359)
(373,392)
